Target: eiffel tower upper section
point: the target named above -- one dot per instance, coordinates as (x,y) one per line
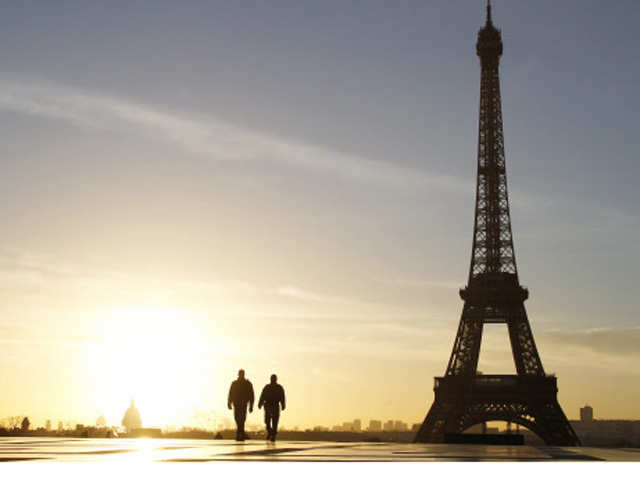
(493,293)
(492,257)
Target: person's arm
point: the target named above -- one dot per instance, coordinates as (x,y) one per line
(251,397)
(261,401)
(230,397)
(282,401)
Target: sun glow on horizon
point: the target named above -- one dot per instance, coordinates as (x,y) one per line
(155,356)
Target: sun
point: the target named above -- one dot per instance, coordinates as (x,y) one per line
(154,356)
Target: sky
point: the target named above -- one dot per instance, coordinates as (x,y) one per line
(190,188)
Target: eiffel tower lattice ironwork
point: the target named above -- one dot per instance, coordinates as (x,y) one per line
(494,295)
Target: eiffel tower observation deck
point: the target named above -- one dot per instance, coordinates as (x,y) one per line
(493,294)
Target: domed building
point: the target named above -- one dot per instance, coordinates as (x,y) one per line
(131,419)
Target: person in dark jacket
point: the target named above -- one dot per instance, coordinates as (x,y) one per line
(240,395)
(272,397)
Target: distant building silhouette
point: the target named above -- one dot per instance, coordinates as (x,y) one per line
(25,424)
(101,422)
(146,432)
(131,419)
(60,427)
(357,425)
(586,414)
(617,433)
(400,426)
(48,425)
(388,426)
(375,426)
(481,428)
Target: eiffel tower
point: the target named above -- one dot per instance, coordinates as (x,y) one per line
(463,397)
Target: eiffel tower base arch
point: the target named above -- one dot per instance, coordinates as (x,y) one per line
(461,402)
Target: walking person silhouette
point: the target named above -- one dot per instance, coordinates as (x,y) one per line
(240,395)
(272,397)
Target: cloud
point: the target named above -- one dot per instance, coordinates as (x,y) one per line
(20,268)
(405,282)
(20,334)
(45,343)
(38,282)
(615,342)
(308,296)
(209,137)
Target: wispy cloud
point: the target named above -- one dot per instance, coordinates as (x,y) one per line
(309,296)
(411,283)
(36,279)
(208,137)
(615,342)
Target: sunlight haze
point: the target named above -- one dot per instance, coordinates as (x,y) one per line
(288,187)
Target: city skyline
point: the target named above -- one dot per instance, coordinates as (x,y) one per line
(193,189)
(212,423)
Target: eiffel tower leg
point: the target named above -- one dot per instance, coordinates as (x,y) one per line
(523,347)
(432,429)
(443,418)
(557,429)
(466,349)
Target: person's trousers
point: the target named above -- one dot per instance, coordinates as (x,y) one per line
(271,417)
(240,415)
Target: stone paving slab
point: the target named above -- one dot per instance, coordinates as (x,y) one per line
(41,449)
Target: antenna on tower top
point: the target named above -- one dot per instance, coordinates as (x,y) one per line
(488,12)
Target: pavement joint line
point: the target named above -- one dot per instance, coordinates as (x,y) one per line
(275,451)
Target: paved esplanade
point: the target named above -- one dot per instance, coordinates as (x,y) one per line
(164,450)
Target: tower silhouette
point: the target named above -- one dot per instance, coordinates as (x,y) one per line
(494,295)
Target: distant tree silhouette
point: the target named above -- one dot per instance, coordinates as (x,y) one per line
(25,424)
(11,423)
